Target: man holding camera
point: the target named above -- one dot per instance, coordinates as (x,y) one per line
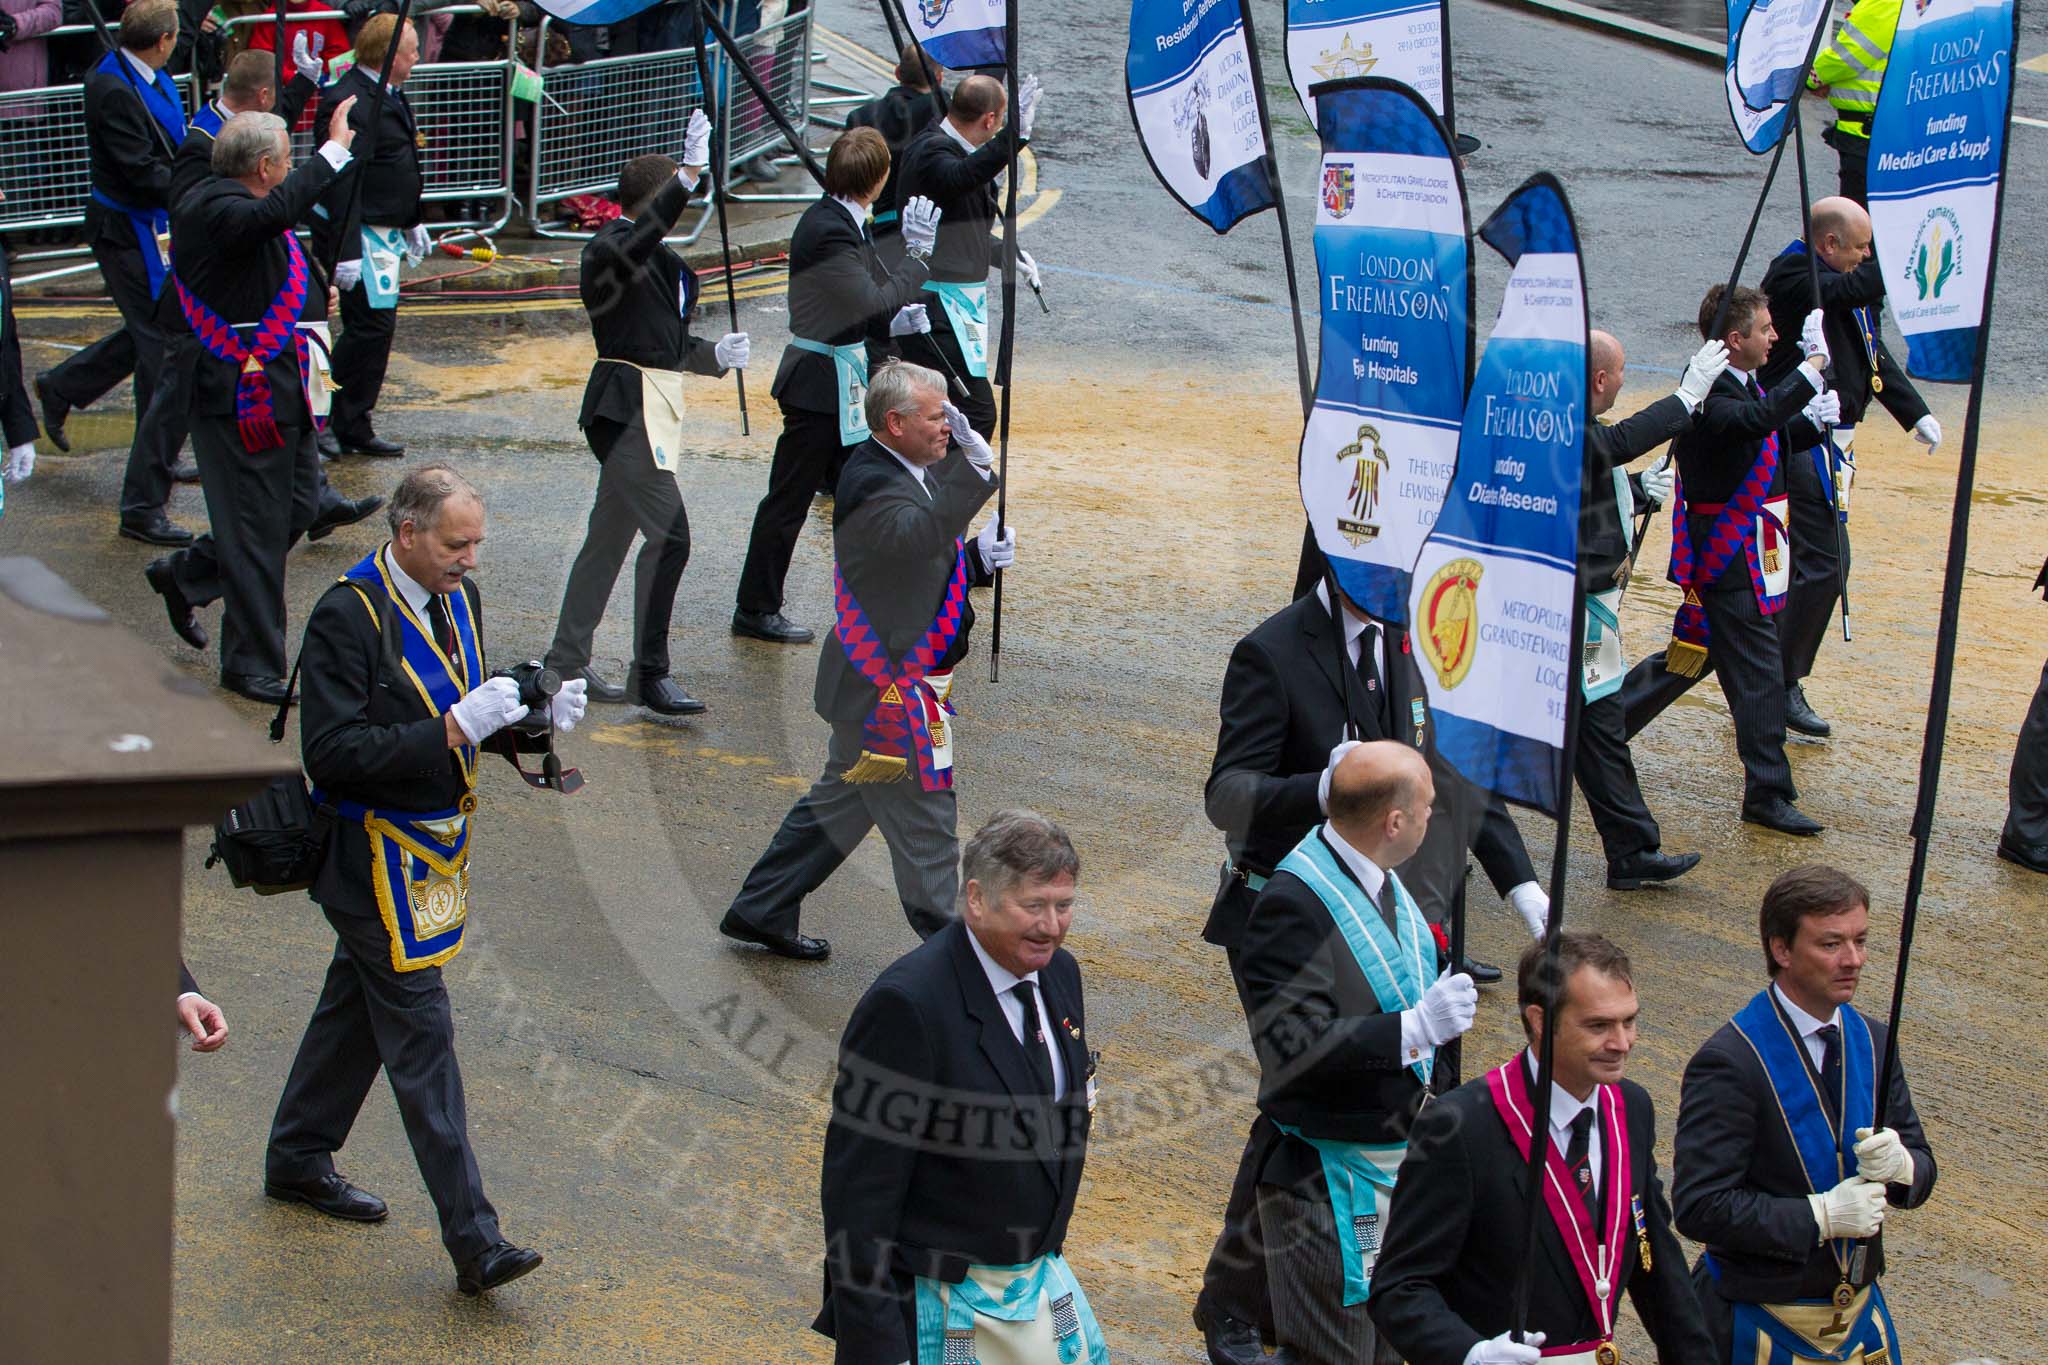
(398,709)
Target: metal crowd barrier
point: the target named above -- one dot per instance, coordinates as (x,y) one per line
(780,55)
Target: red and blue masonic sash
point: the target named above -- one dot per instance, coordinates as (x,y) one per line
(255,410)
(907,707)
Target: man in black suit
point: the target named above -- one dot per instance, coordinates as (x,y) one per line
(959,1128)
(900,113)
(1729,552)
(1299,692)
(1608,500)
(386,226)
(1851,300)
(955,163)
(398,711)
(1347,1004)
(1781,1166)
(901,573)
(639,294)
(2024,840)
(17,418)
(134,120)
(843,310)
(1454,1243)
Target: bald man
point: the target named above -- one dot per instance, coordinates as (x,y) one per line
(1349,999)
(1851,298)
(1607,508)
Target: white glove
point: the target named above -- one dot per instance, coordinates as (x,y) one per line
(1447,1008)
(1030,269)
(971,442)
(348,274)
(997,552)
(1658,481)
(1854,1208)
(1824,409)
(306,48)
(909,319)
(489,709)
(1532,903)
(1329,770)
(1027,106)
(416,244)
(567,706)
(1881,1158)
(697,140)
(21,462)
(920,227)
(1813,340)
(733,351)
(1505,1350)
(1705,367)
(1927,431)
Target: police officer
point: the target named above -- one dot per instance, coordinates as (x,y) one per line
(1849,71)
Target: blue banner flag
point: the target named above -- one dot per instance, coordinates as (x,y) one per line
(1195,106)
(1393,266)
(1334,40)
(1494,586)
(959,33)
(1770,43)
(594,11)
(1937,151)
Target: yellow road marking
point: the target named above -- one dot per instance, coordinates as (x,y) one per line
(2039,63)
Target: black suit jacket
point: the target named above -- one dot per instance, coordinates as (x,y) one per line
(17,417)
(1849,369)
(186,982)
(1727,433)
(1610,445)
(1330,1059)
(1287,697)
(894,545)
(962,184)
(631,283)
(228,249)
(390,196)
(940,1153)
(840,293)
(193,165)
(1454,1238)
(128,153)
(898,114)
(1738,1185)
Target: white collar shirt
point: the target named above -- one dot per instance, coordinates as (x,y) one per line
(1564,1107)
(1808,1026)
(958,137)
(142,68)
(1004,982)
(1365,869)
(854,210)
(1354,631)
(915,471)
(415,596)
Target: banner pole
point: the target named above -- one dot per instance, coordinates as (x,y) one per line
(1301,365)
(1936,734)
(277,40)
(715,169)
(1006,363)
(768,104)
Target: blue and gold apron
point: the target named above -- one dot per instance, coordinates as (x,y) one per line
(1854,1327)
(161,100)
(850,375)
(966,308)
(1360,1175)
(1029,1314)
(419,860)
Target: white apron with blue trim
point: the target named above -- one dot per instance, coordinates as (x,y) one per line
(966,308)
(1029,1314)
(849,382)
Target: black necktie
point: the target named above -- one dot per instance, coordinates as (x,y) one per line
(1831,1068)
(1384,903)
(1034,1039)
(1369,678)
(1577,1161)
(444,625)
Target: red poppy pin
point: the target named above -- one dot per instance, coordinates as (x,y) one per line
(1443,941)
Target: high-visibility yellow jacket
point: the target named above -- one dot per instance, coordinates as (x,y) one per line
(1852,66)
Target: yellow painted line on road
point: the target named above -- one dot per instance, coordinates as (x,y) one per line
(2039,63)
(846,47)
(2030,122)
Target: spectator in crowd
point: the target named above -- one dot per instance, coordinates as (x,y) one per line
(25,65)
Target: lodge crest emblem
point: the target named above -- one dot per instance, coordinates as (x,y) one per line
(1449,620)
(1340,188)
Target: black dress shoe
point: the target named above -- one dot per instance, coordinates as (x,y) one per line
(331,1195)
(183,619)
(185,471)
(1801,717)
(1229,1341)
(370,445)
(1482,973)
(343,512)
(1781,815)
(771,626)
(269,691)
(663,696)
(156,529)
(2033,857)
(502,1264)
(1648,865)
(597,689)
(802,947)
(330,448)
(55,410)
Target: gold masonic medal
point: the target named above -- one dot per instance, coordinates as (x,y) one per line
(1643,1255)
(1844,1296)
(1877,383)
(1606,1354)
(419,140)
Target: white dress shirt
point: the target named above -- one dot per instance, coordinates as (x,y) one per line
(142,68)
(1354,631)
(415,596)
(1365,869)
(1808,1026)
(916,471)
(1003,981)
(1564,1107)
(955,134)
(854,210)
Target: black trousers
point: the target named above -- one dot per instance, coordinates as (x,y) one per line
(1820,562)
(1607,776)
(161,428)
(804,454)
(979,404)
(259,503)
(831,820)
(1744,655)
(137,350)
(371,1015)
(361,355)
(2026,818)
(1234,1280)
(633,494)
(1854,153)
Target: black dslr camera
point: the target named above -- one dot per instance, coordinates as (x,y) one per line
(538,685)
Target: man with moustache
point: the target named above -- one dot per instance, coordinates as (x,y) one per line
(1781,1167)
(959,1128)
